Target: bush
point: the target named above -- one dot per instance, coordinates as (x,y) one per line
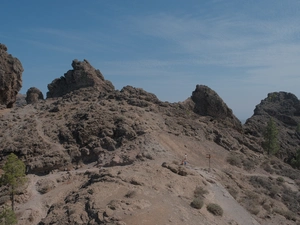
(215,209)
(234,160)
(200,192)
(234,193)
(280,179)
(266,166)
(248,164)
(287,214)
(197,203)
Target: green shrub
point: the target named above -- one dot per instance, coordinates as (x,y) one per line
(8,216)
(200,192)
(215,209)
(234,160)
(280,179)
(197,203)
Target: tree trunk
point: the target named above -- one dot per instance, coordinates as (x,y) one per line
(13,201)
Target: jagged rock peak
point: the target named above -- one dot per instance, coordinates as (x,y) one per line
(83,75)
(10,76)
(3,47)
(282,105)
(33,95)
(208,103)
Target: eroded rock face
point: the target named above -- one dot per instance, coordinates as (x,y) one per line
(209,103)
(83,75)
(10,77)
(33,95)
(284,108)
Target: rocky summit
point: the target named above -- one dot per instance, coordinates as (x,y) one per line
(10,77)
(82,75)
(96,155)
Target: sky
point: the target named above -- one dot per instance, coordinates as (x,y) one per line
(241,49)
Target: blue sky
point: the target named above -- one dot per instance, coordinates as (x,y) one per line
(241,49)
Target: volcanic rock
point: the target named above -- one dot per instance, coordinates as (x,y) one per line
(10,77)
(208,103)
(82,75)
(33,95)
(284,108)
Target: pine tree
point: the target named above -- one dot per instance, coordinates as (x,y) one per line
(271,144)
(7,217)
(14,176)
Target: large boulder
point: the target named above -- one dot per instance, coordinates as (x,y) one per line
(83,75)
(208,103)
(33,95)
(10,77)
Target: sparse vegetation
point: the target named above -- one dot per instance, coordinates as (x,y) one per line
(248,164)
(296,160)
(14,176)
(215,209)
(197,203)
(287,214)
(8,217)
(234,159)
(270,144)
(280,179)
(232,191)
(200,192)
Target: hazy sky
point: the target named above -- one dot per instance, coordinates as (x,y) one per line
(242,49)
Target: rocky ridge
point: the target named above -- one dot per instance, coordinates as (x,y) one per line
(116,159)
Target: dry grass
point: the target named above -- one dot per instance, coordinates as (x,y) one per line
(215,209)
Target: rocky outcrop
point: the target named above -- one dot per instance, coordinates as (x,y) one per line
(83,75)
(10,77)
(284,108)
(208,103)
(281,105)
(33,95)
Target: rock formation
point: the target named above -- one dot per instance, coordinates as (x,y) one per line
(284,108)
(82,75)
(10,77)
(208,103)
(33,95)
(114,157)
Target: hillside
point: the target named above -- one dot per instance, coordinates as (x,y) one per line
(96,155)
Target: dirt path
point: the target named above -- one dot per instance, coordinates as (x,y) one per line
(40,131)
(219,195)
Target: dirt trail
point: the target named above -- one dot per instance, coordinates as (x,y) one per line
(40,131)
(220,196)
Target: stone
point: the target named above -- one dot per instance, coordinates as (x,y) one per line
(10,77)
(83,75)
(208,103)
(33,95)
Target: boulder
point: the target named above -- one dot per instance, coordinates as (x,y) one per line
(33,95)
(83,75)
(10,77)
